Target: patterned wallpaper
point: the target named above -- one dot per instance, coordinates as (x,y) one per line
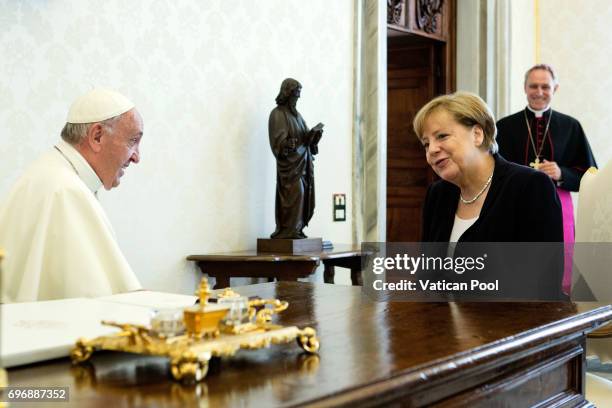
(575,39)
(204,75)
(522,45)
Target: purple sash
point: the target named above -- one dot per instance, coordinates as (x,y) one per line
(567,208)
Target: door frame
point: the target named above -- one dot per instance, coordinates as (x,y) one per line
(370,117)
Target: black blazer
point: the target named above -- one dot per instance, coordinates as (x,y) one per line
(521,206)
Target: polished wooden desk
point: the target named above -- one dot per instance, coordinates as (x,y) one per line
(282,267)
(372,354)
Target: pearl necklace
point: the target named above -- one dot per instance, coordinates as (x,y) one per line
(464,201)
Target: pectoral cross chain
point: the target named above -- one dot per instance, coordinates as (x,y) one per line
(537,152)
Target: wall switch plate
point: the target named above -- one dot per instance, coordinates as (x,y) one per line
(339,207)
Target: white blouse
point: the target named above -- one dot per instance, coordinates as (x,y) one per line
(460,226)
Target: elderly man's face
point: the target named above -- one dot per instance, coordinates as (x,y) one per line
(539,89)
(120,148)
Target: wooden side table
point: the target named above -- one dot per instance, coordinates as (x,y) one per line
(283,267)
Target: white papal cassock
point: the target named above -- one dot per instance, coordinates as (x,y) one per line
(58,241)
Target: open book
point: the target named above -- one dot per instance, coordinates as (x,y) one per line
(316,133)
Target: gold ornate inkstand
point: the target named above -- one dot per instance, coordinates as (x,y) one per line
(201,332)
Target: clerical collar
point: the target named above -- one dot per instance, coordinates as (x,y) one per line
(538,113)
(80,166)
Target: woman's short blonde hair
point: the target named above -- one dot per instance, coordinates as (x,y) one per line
(467,109)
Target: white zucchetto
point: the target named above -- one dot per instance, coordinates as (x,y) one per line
(97,105)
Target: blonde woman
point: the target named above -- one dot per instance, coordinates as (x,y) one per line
(481,197)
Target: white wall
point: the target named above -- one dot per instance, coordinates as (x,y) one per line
(204,75)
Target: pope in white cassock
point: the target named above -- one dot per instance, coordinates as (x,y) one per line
(57,239)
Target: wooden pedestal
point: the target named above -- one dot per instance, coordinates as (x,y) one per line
(289,246)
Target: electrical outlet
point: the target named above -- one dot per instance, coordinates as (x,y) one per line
(339,207)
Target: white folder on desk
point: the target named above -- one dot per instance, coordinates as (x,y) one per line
(37,331)
(154,300)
